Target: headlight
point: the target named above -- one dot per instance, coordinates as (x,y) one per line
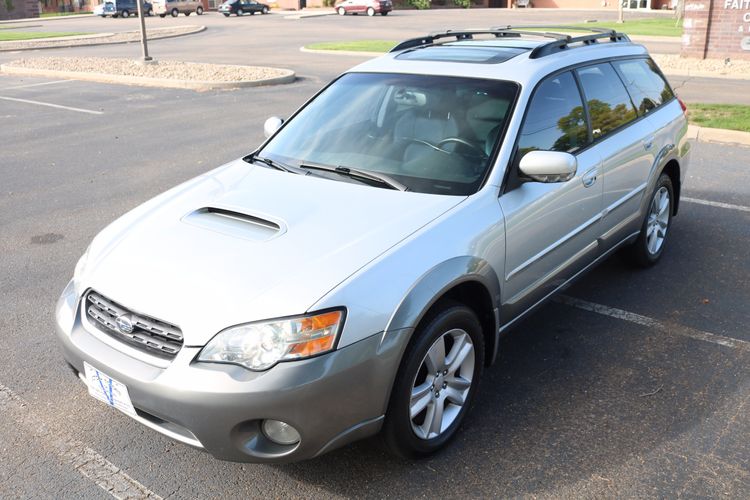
(259,346)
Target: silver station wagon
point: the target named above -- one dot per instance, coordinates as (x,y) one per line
(353,274)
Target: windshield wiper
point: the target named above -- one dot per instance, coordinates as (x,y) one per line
(377,177)
(272,163)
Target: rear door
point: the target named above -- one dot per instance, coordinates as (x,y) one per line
(625,142)
(551,228)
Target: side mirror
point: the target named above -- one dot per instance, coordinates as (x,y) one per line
(548,166)
(272,125)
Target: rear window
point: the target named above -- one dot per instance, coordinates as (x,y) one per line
(645,83)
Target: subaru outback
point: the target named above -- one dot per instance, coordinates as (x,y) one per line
(353,274)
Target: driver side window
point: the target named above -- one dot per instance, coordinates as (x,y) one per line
(556,119)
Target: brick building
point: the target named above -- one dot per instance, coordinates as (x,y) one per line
(717,29)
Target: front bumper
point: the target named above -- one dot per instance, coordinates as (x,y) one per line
(331,399)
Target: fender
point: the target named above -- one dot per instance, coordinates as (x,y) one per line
(433,284)
(665,155)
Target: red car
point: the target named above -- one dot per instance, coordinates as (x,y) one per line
(369,7)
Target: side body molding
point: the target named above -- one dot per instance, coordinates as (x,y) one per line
(436,282)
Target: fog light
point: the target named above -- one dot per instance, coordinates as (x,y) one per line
(280,432)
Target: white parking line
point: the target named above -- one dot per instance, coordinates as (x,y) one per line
(662,326)
(717,204)
(39,103)
(38,84)
(83,459)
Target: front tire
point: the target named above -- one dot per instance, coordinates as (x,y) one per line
(370,11)
(264,11)
(341,11)
(125,14)
(436,382)
(175,13)
(647,249)
(162,16)
(199,11)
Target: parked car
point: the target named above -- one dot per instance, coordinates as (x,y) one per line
(369,7)
(243,7)
(122,8)
(353,274)
(105,9)
(175,7)
(524,4)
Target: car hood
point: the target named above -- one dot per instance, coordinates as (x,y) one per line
(246,243)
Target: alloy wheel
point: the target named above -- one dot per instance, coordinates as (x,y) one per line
(658,220)
(442,384)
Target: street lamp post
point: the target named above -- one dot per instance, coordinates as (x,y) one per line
(144,42)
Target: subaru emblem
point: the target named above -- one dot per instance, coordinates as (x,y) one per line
(124,324)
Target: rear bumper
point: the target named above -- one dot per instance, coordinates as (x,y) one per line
(331,400)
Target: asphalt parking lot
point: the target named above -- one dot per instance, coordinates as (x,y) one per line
(634,384)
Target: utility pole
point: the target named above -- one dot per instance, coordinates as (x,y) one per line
(620,11)
(144,41)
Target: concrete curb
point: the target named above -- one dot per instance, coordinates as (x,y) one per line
(718,135)
(37,19)
(63,38)
(342,52)
(69,45)
(303,15)
(144,81)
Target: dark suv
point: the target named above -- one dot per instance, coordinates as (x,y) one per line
(127,8)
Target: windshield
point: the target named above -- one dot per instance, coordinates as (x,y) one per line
(433,134)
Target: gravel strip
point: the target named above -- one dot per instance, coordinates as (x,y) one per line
(125,36)
(170,70)
(674,64)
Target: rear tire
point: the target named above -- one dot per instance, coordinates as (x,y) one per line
(175,13)
(125,14)
(370,11)
(162,16)
(264,11)
(384,13)
(199,11)
(226,15)
(150,12)
(647,249)
(341,11)
(436,382)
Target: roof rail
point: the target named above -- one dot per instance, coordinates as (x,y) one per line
(561,41)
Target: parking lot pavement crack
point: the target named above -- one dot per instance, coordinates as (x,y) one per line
(86,461)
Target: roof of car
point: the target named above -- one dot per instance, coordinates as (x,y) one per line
(523,59)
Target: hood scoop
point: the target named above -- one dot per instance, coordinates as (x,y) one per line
(234,223)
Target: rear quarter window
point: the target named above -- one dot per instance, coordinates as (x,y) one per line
(645,83)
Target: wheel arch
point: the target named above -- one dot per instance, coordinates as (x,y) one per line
(469,280)
(672,169)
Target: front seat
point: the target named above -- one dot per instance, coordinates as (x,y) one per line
(427,123)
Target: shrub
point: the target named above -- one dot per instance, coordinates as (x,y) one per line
(420,4)
(464,4)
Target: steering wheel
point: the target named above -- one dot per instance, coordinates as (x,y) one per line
(462,142)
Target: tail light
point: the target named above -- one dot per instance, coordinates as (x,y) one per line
(682,105)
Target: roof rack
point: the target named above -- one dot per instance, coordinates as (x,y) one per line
(561,41)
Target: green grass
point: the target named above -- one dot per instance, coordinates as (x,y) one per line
(662,26)
(355,45)
(11,36)
(728,116)
(58,14)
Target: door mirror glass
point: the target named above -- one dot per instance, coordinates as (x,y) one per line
(548,166)
(272,125)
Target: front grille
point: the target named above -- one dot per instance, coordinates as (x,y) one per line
(148,334)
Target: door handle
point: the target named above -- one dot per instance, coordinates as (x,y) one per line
(648,143)
(589,178)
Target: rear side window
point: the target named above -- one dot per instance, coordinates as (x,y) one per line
(609,103)
(556,120)
(644,82)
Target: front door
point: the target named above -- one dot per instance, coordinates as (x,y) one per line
(551,228)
